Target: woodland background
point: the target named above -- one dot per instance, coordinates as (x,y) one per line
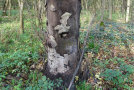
(109,59)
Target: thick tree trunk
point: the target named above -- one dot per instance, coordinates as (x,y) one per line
(128,10)
(63,32)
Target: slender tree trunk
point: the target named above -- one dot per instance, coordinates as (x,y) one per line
(86,4)
(5,8)
(82,4)
(103,2)
(10,4)
(132,12)
(128,10)
(110,9)
(39,14)
(122,9)
(62,42)
(21,4)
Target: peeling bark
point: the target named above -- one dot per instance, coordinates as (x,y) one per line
(63,32)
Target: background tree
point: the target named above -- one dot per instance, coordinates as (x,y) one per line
(10,6)
(50,44)
(132,12)
(5,6)
(128,10)
(110,9)
(21,5)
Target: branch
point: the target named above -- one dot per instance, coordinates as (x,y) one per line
(83,51)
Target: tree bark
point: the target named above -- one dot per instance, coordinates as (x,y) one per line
(62,38)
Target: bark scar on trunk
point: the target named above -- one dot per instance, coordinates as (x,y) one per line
(58,63)
(51,42)
(63,29)
(52,8)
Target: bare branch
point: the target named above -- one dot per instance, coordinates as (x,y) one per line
(83,51)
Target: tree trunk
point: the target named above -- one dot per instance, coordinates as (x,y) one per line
(10,4)
(132,12)
(103,2)
(128,10)
(21,4)
(110,9)
(39,14)
(62,42)
(5,8)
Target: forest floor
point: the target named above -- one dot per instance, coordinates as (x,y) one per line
(108,61)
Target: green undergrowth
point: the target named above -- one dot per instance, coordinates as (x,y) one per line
(109,63)
(110,55)
(19,52)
